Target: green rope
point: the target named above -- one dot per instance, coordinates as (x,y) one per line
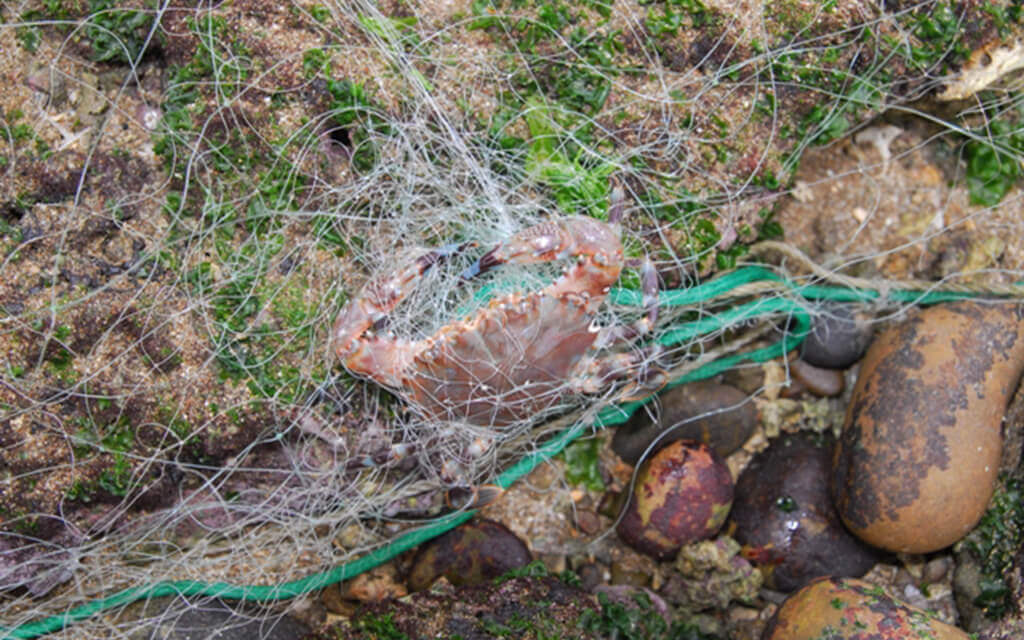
(609,416)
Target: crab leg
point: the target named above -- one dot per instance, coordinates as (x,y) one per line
(641,364)
(365,353)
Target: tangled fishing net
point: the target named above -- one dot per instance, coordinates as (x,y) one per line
(192,194)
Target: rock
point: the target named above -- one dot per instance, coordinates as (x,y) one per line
(729,419)
(824,383)
(785,519)
(793,390)
(170,619)
(838,338)
(917,461)
(682,494)
(710,575)
(380,583)
(472,553)
(89,99)
(588,521)
(847,609)
(591,575)
(936,569)
(623,574)
(36,565)
(749,380)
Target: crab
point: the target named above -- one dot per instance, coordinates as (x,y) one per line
(515,358)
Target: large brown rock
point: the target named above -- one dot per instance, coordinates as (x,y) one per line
(918,457)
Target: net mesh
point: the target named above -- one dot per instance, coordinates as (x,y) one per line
(193,191)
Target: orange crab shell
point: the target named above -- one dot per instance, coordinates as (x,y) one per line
(503,365)
(511,360)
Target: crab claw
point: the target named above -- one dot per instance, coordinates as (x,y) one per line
(380,297)
(637,390)
(483,264)
(465,498)
(577,237)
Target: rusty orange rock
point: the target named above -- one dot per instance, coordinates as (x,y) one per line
(847,609)
(917,461)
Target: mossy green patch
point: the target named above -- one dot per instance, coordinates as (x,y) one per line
(635,621)
(113,442)
(577,76)
(582,464)
(995,542)
(380,627)
(116,34)
(356,118)
(578,180)
(993,161)
(666,17)
(938,31)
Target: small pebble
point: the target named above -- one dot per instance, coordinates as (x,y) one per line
(625,574)
(380,583)
(903,578)
(824,383)
(588,521)
(591,574)
(554,562)
(731,419)
(936,569)
(794,389)
(839,337)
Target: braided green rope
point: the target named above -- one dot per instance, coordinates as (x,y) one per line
(726,284)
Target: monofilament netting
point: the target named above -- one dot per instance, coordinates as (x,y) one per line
(192,193)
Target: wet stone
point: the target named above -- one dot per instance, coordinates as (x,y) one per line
(168,619)
(591,575)
(824,383)
(682,494)
(473,553)
(839,337)
(728,420)
(785,519)
(921,445)
(624,573)
(588,521)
